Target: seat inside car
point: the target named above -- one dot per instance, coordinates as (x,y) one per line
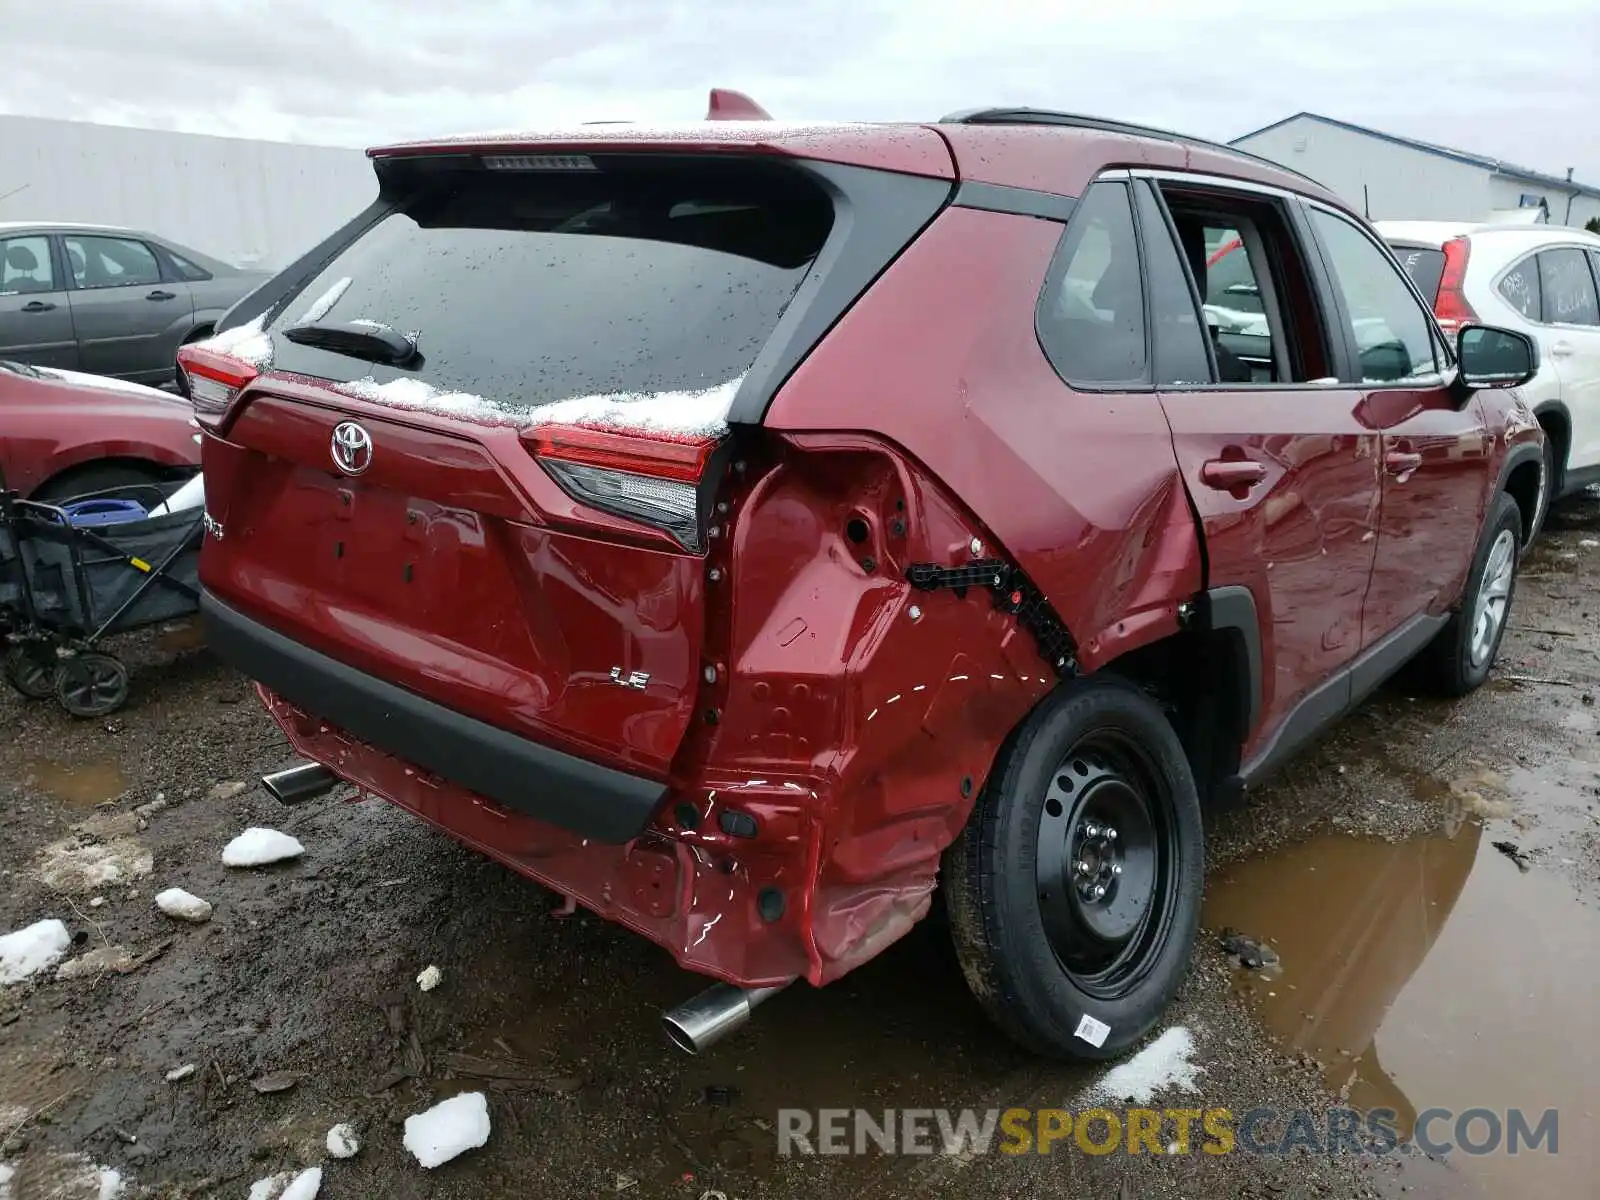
(24,263)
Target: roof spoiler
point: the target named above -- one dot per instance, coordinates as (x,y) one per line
(729,105)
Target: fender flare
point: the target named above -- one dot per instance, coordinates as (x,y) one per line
(1232,610)
(1521,453)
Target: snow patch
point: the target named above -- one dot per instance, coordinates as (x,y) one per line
(176,902)
(29,951)
(343,1142)
(449,1128)
(64,1175)
(98,852)
(421,396)
(103,383)
(1165,1065)
(430,978)
(177,1074)
(700,413)
(5,1181)
(258,847)
(323,303)
(286,1185)
(247,343)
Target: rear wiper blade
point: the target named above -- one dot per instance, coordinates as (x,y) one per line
(366,339)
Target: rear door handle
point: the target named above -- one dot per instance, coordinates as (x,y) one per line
(1230,474)
(1398,462)
(158,294)
(38,306)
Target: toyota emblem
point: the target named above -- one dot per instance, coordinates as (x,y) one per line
(352,448)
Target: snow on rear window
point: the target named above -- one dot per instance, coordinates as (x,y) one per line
(632,296)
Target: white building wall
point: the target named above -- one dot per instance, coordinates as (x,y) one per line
(1507,193)
(1400,183)
(246,202)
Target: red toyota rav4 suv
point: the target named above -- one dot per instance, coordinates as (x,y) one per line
(744,529)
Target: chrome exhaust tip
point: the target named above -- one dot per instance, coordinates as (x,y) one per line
(712,1015)
(296,785)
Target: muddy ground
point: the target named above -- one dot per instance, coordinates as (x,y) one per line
(1419,966)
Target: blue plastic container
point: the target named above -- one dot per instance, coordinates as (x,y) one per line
(86,514)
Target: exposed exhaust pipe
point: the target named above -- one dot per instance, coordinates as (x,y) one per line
(296,785)
(713,1015)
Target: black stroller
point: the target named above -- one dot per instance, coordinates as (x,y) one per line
(66,585)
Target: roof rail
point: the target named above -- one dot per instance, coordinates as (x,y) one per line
(1047,116)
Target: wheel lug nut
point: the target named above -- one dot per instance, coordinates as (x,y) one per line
(1091,831)
(1100,891)
(1116,869)
(1111,834)
(1083,867)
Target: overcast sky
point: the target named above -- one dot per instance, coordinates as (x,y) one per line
(1517,80)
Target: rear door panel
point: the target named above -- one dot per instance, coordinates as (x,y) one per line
(130,329)
(35,314)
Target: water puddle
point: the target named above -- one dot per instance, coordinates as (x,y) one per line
(78,785)
(1435,973)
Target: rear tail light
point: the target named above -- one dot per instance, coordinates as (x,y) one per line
(215,381)
(1450,306)
(664,482)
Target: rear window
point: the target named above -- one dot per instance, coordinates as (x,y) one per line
(526,287)
(1425,265)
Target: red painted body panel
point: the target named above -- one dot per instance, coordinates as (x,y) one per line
(48,426)
(1080,489)
(1303,539)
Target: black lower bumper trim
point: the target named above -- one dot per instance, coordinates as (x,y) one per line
(592,801)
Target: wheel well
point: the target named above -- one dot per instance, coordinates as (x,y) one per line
(1201,679)
(1522,485)
(154,469)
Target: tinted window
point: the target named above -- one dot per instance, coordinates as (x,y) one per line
(1425,265)
(1393,335)
(1180,340)
(1520,288)
(25,266)
(101,262)
(1567,288)
(1091,313)
(527,288)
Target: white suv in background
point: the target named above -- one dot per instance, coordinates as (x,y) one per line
(1545,281)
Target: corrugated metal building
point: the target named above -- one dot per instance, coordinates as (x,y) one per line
(250,203)
(1403,179)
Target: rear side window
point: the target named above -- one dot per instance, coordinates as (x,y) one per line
(529,287)
(1425,265)
(1090,317)
(25,266)
(104,262)
(1519,287)
(1567,288)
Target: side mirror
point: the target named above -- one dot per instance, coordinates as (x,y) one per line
(1491,357)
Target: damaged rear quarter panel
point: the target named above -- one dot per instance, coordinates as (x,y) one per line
(933,392)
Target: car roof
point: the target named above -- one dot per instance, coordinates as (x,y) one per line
(1437,233)
(68,227)
(1038,149)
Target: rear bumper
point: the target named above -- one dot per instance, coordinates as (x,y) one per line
(525,777)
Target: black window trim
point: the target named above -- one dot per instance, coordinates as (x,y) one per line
(1147,189)
(1310,253)
(1588,253)
(1444,371)
(71,280)
(1057,267)
(170,271)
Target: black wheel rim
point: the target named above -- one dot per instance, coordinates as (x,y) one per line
(1107,864)
(93,684)
(32,674)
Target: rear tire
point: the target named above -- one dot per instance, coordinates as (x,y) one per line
(91,684)
(1459,659)
(32,671)
(1092,792)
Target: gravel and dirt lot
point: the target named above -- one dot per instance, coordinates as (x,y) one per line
(1427,880)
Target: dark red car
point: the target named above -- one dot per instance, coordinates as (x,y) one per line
(745,532)
(63,434)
